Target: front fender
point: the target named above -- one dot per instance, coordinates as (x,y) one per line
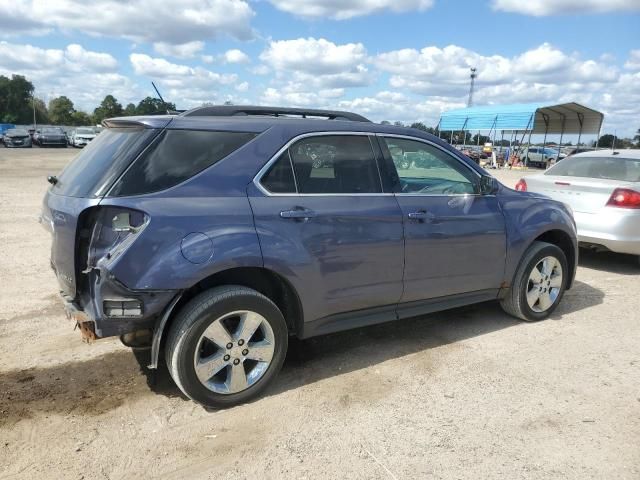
(527,217)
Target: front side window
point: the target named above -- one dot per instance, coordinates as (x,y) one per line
(335,164)
(426,170)
(176,156)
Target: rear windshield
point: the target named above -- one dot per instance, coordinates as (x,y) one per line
(609,168)
(100,163)
(176,156)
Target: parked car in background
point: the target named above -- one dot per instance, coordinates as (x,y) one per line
(542,157)
(16,138)
(50,136)
(574,151)
(219,233)
(81,136)
(603,189)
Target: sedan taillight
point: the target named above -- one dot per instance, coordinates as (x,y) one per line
(624,198)
(521,186)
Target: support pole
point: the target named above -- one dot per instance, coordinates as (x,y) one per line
(561,135)
(581,120)
(545,117)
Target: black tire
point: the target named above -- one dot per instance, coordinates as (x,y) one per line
(515,301)
(194,318)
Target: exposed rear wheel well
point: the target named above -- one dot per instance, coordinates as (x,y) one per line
(564,242)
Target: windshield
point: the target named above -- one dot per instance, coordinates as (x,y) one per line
(17,133)
(609,168)
(85,131)
(99,164)
(51,130)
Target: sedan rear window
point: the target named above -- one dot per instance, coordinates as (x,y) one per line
(176,156)
(608,168)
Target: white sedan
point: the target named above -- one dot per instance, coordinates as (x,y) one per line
(603,189)
(82,136)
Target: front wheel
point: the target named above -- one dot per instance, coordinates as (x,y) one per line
(226,345)
(539,283)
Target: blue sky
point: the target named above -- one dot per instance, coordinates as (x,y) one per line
(401,60)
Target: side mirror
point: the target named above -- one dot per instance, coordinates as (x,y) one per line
(488,185)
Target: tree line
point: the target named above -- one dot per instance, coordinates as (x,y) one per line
(19,106)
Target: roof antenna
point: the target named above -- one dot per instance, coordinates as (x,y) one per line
(160,96)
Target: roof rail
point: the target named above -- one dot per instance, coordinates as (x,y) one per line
(238,110)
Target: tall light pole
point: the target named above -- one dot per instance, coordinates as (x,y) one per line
(473,76)
(33,98)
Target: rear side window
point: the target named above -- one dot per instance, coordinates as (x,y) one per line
(609,168)
(176,156)
(279,178)
(335,164)
(102,161)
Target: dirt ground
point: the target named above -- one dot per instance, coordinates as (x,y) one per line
(469,393)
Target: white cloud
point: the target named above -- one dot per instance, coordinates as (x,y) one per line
(188,86)
(182,50)
(633,63)
(344,9)
(235,56)
(138,20)
(242,87)
(82,75)
(541,8)
(310,55)
(317,64)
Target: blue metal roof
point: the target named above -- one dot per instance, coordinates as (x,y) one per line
(537,117)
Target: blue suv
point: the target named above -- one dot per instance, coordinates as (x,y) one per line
(215,235)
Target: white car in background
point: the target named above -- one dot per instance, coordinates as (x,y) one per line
(542,157)
(82,136)
(603,189)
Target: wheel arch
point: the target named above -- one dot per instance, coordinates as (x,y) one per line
(564,242)
(269,283)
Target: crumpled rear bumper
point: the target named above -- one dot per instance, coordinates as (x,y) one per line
(94,321)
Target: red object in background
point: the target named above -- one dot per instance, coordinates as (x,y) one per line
(521,186)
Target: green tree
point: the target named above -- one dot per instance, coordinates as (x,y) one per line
(61,111)
(81,119)
(42,113)
(130,110)
(637,138)
(419,126)
(16,99)
(607,140)
(153,106)
(109,108)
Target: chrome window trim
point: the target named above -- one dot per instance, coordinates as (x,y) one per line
(276,156)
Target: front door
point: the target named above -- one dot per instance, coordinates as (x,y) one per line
(455,238)
(327,226)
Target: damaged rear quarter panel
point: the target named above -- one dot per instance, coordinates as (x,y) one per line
(155,261)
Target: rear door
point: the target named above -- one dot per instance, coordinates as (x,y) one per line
(326,224)
(455,238)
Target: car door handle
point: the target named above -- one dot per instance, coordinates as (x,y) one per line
(298,213)
(422,215)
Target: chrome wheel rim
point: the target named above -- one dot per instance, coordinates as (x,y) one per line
(543,287)
(234,352)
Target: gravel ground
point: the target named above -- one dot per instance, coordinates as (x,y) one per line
(469,393)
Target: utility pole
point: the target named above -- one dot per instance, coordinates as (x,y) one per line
(33,101)
(473,76)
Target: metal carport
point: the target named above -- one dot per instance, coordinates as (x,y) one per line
(528,118)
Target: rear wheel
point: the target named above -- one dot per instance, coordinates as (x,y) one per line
(226,345)
(539,283)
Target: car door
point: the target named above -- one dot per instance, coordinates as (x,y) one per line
(455,237)
(326,225)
